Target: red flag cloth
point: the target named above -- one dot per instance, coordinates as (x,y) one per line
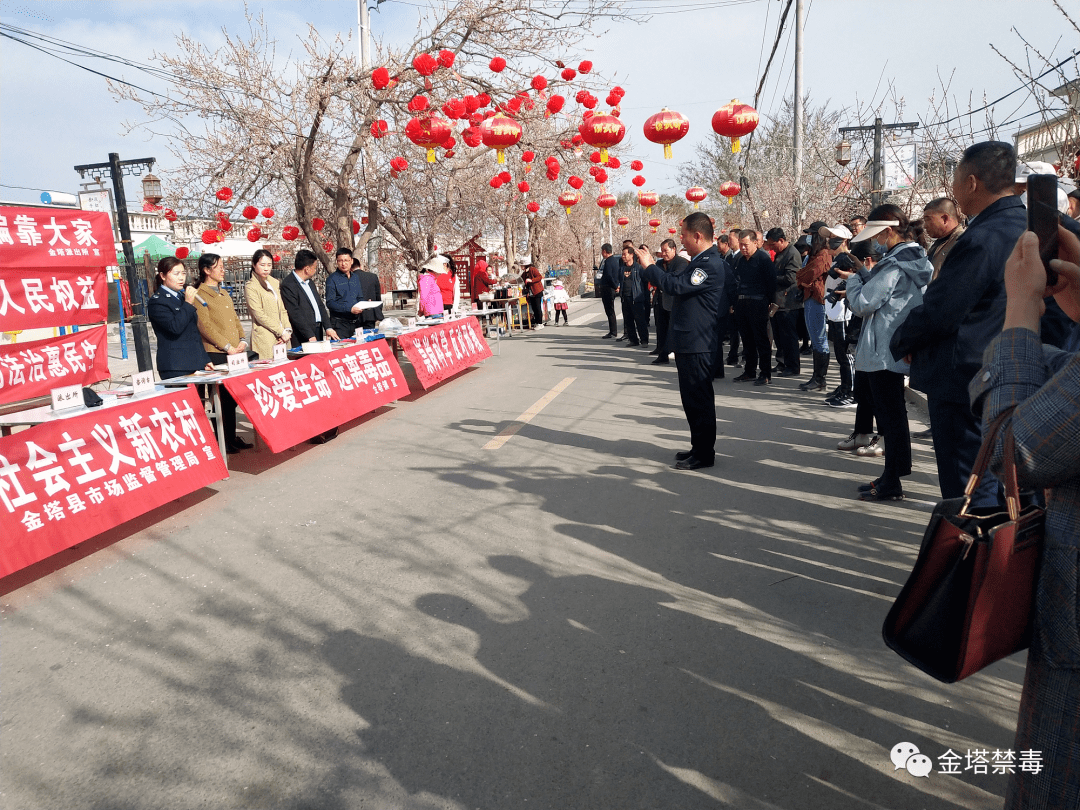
(439,352)
(289,403)
(55,237)
(33,296)
(73,477)
(35,367)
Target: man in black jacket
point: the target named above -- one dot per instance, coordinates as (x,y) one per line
(670,262)
(788,300)
(962,311)
(607,284)
(757,288)
(635,300)
(307,312)
(697,294)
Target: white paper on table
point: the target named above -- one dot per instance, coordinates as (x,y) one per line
(368,304)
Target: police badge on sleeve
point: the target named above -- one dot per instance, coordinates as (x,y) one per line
(698,277)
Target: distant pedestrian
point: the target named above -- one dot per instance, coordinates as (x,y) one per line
(606,284)
(757,287)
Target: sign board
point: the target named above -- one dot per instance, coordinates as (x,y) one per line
(439,352)
(237,362)
(33,368)
(33,297)
(66,398)
(280,353)
(142,382)
(900,164)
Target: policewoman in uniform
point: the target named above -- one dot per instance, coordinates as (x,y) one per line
(699,293)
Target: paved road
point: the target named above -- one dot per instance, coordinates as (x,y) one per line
(435,611)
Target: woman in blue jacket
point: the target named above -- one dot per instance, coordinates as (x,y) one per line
(882,297)
(172,314)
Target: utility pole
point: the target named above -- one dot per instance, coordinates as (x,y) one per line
(877,193)
(115,167)
(800,21)
(364,24)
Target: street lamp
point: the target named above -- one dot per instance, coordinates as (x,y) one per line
(151,189)
(116,169)
(843,153)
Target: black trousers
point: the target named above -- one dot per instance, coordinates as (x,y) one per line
(890,408)
(752,316)
(698,401)
(663,321)
(837,331)
(787,338)
(864,412)
(536,305)
(345,327)
(731,329)
(607,295)
(636,320)
(957,438)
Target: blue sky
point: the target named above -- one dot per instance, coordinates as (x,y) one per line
(54,115)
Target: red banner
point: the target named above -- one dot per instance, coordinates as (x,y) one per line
(68,479)
(289,403)
(33,368)
(439,352)
(55,237)
(32,297)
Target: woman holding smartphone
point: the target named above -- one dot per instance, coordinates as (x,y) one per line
(269,320)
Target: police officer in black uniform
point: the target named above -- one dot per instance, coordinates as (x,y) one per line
(607,284)
(698,296)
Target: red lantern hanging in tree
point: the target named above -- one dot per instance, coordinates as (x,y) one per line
(355,227)
(472,136)
(497,64)
(636,165)
(289,233)
(607,202)
(446,59)
(638,181)
(527,157)
(568,199)
(647,199)
(454,109)
(671,230)
(696,194)
(568,74)
(575,182)
(418,104)
(554,105)
(624,221)
(539,84)
(380,78)
(585,66)
(500,133)
(603,132)
(255,234)
(170,215)
(533,207)
(428,132)
(425,65)
(666,127)
(318,223)
(182,253)
(211,236)
(613,162)
(730,189)
(250,212)
(277,258)
(268,213)
(398,165)
(733,121)
(654,224)
(523,187)
(379,128)
(328,246)
(600,176)
(224,194)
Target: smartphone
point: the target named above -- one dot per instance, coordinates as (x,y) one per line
(1043,219)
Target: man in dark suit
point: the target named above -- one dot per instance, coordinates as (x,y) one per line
(962,311)
(371,290)
(697,294)
(607,283)
(670,262)
(307,312)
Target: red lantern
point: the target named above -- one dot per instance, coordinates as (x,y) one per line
(603,131)
(454,109)
(428,132)
(380,78)
(666,127)
(638,181)
(418,104)
(730,189)
(318,224)
(594,157)
(495,182)
(533,207)
(600,176)
(607,202)
(224,194)
(483,99)
(224,224)
(211,236)
(425,65)
(182,252)
(647,199)
(379,128)
(575,182)
(268,213)
(170,215)
(624,221)
(472,136)
(250,212)
(696,194)
(554,104)
(398,164)
(254,234)
(585,66)
(590,101)
(363,220)
(449,144)
(499,133)
(446,59)
(472,104)
(523,187)
(539,84)
(528,157)
(568,199)
(289,233)
(613,162)
(327,246)
(636,165)
(277,258)
(568,74)
(355,227)
(733,121)
(671,230)
(612,100)
(449,153)
(497,64)
(618,92)
(654,224)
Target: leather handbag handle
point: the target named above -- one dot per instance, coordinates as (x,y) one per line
(982,463)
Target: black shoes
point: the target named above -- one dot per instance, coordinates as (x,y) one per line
(660,361)
(608,336)
(635,343)
(762,380)
(620,339)
(683,455)
(787,372)
(744,377)
(692,463)
(236,444)
(879,493)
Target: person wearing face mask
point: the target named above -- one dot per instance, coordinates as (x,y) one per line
(811,279)
(269,320)
(883,298)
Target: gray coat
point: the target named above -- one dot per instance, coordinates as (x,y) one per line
(882,297)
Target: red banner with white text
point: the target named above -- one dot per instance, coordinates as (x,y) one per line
(33,297)
(289,403)
(69,479)
(33,368)
(55,237)
(439,352)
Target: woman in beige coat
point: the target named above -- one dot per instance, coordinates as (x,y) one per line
(269,320)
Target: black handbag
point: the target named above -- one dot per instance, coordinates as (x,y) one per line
(969,600)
